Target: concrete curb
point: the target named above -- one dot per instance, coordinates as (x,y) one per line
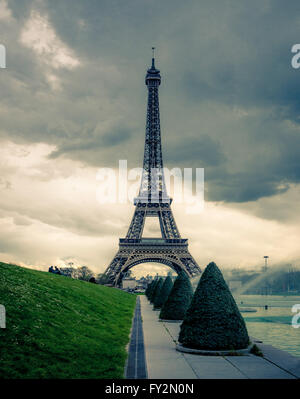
(136,366)
(203,352)
(170,321)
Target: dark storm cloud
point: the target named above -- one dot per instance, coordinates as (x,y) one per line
(230,99)
(93,141)
(202,149)
(252,69)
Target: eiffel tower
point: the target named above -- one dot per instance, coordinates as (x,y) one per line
(152,201)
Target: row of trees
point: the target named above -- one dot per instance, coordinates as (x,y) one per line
(210,317)
(79,273)
(173,300)
(83,273)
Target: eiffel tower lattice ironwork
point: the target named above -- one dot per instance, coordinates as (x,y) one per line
(152,201)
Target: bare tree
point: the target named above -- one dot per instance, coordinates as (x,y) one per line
(84,273)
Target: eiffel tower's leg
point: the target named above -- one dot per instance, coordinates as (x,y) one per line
(190,264)
(115,267)
(137,224)
(167,224)
(114,270)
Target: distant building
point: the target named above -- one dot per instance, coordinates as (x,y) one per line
(129,283)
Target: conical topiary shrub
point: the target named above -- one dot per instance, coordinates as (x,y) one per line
(157,289)
(162,296)
(152,289)
(148,289)
(179,299)
(213,320)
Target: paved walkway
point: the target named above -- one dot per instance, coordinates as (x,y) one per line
(164,362)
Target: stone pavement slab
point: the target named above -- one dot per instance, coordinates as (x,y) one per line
(213,367)
(283,359)
(256,367)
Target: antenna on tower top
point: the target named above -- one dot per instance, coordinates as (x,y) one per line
(153,48)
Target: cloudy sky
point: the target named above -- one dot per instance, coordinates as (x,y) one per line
(73,100)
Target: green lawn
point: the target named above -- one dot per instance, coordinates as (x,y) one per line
(57,327)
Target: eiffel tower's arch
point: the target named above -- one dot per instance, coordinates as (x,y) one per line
(163,261)
(176,267)
(172,253)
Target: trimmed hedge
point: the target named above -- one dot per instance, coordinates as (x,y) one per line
(213,320)
(157,289)
(148,289)
(162,296)
(152,289)
(179,299)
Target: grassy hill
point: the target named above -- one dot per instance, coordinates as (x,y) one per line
(57,327)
